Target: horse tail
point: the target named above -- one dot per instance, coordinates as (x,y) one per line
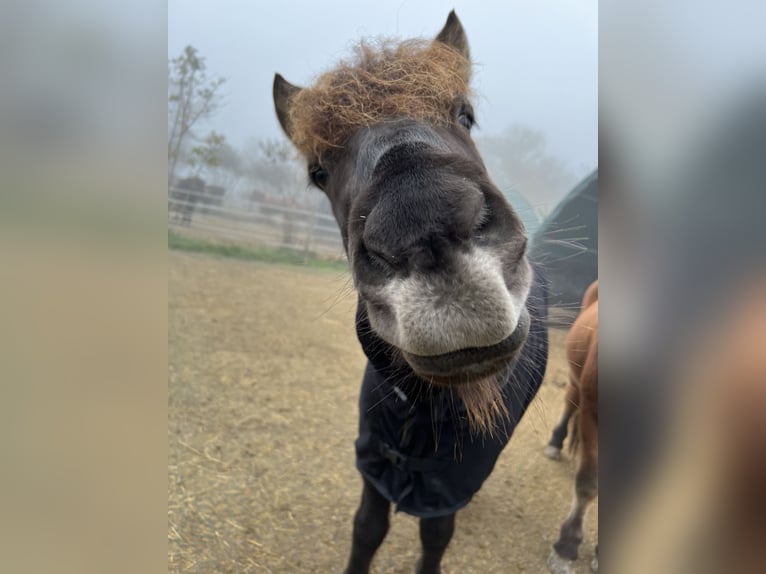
(574,432)
(588,401)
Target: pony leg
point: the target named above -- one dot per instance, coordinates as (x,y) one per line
(586,489)
(554,446)
(370,528)
(435,534)
(594,562)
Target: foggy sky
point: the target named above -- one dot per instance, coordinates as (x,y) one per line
(537,62)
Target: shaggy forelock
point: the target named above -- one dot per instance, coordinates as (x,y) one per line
(417,79)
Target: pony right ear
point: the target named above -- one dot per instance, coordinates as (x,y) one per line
(454,35)
(284,91)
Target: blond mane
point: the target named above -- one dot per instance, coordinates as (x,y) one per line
(417,79)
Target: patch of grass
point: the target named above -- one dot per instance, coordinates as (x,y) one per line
(264,254)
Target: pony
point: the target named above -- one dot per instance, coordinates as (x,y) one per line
(451,311)
(580,406)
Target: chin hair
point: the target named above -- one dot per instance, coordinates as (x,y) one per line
(485,406)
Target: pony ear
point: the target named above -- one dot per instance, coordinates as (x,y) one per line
(284,91)
(454,36)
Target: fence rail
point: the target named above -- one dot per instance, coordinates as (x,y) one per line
(256,223)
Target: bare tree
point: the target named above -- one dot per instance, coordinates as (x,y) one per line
(273,166)
(519,159)
(192,96)
(218,163)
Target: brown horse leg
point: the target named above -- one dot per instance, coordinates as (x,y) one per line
(594,562)
(435,534)
(370,528)
(586,489)
(554,446)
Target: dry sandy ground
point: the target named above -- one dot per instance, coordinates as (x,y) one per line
(264,374)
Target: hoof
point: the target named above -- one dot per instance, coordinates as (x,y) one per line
(559,565)
(552,452)
(594,565)
(420,570)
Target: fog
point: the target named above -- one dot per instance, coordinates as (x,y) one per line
(536,71)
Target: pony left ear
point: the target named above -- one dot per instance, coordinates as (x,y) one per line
(454,36)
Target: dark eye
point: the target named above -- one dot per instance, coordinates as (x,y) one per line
(318,176)
(465,117)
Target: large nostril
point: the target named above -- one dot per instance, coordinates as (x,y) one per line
(381,260)
(482,224)
(482,220)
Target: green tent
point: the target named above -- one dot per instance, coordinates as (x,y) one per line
(524,210)
(566,245)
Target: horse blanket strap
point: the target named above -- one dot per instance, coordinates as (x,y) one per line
(407,463)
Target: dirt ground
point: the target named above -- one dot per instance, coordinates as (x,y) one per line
(263,381)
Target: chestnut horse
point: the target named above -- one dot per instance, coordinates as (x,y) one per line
(581,402)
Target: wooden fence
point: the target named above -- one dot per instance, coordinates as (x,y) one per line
(254,223)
